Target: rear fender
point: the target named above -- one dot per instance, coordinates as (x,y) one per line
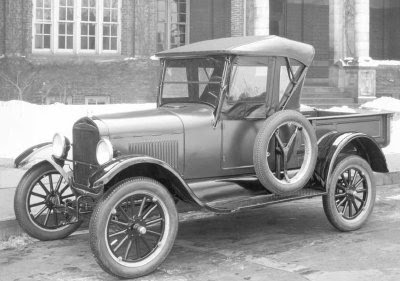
(33,155)
(330,146)
(133,166)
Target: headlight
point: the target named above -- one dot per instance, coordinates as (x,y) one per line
(104,151)
(60,146)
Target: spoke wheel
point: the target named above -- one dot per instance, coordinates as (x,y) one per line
(285,152)
(351,193)
(39,203)
(141,226)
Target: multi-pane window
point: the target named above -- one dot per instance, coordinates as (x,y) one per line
(43,24)
(110,25)
(66,24)
(172,23)
(77,26)
(88,24)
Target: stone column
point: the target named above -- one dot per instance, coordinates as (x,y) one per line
(361,30)
(261,17)
(351,68)
(237,18)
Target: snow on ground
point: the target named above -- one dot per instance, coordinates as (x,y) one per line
(23,124)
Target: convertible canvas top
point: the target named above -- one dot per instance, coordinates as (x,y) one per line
(249,46)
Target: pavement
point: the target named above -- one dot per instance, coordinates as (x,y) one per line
(289,241)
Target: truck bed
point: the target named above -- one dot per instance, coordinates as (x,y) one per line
(375,124)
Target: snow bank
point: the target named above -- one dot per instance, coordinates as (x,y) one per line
(23,124)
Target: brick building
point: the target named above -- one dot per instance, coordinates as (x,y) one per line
(98,51)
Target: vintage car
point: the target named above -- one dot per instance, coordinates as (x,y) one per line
(227,135)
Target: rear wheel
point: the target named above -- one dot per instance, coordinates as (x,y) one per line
(133,228)
(39,203)
(351,194)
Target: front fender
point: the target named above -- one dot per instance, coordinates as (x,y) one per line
(33,155)
(128,165)
(330,146)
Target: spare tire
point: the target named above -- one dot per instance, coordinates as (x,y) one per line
(280,137)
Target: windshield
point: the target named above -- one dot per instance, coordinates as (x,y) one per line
(192,80)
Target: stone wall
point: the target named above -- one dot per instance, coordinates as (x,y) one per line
(388,80)
(2,26)
(384,34)
(129,81)
(210,19)
(308,21)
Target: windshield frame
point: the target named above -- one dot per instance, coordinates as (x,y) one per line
(163,101)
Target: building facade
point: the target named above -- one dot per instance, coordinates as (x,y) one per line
(98,51)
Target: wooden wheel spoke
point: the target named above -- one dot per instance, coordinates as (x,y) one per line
(345,207)
(117,233)
(145,243)
(60,179)
(355,206)
(142,206)
(128,250)
(123,212)
(151,232)
(153,222)
(40,212)
(46,220)
(341,195)
(341,202)
(51,183)
(137,248)
(37,204)
(359,199)
(64,189)
(67,196)
(121,243)
(43,187)
(354,177)
(359,182)
(149,211)
(38,195)
(119,223)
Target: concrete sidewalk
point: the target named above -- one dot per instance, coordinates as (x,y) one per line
(9,178)
(286,242)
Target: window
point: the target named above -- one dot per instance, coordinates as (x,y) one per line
(248,81)
(97,99)
(172,23)
(76,26)
(193,80)
(285,83)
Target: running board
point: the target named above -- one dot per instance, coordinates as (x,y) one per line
(231,194)
(229,206)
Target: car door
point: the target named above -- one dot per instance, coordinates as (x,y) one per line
(249,101)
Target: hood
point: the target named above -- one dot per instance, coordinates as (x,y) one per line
(156,121)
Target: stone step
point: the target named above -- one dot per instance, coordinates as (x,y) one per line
(320,90)
(316,82)
(325,95)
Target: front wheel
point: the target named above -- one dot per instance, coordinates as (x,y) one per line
(39,203)
(133,228)
(351,194)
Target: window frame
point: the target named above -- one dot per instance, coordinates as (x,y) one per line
(168,23)
(54,31)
